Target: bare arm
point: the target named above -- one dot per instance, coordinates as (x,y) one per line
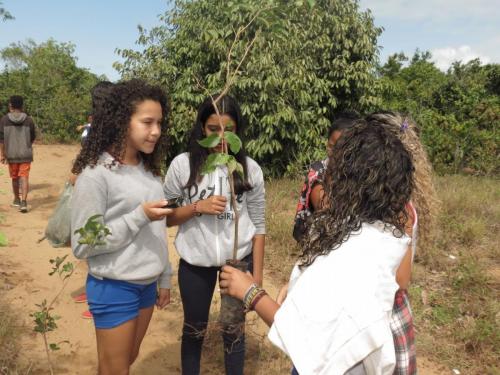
(266,308)
(259,241)
(316,197)
(214,205)
(403,274)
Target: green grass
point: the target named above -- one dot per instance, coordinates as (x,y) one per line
(456,301)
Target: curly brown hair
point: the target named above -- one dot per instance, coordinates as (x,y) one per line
(424,195)
(369,178)
(111,121)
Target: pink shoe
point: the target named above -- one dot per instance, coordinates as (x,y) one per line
(87,315)
(80,298)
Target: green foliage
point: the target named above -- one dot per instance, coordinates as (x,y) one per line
(61,268)
(234,142)
(458,111)
(56,91)
(210,141)
(3,239)
(220,158)
(309,60)
(44,321)
(94,232)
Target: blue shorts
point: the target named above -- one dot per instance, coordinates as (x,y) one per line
(114,302)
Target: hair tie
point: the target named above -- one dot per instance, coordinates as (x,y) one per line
(404,125)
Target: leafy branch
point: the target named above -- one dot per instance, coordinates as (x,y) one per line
(229,138)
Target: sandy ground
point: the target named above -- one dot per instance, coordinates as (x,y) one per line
(24,268)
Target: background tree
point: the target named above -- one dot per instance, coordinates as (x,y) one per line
(458,111)
(319,58)
(56,90)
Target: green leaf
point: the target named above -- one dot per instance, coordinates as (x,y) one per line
(239,170)
(234,142)
(210,141)
(54,346)
(207,169)
(232,165)
(3,239)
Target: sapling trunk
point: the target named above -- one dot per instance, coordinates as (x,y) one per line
(233,204)
(51,369)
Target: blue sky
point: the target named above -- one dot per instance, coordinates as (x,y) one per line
(450,29)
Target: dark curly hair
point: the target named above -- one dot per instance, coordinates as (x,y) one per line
(227,105)
(369,178)
(111,121)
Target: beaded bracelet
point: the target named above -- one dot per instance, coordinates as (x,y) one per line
(250,295)
(253,285)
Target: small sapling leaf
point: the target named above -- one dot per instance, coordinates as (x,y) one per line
(210,141)
(234,141)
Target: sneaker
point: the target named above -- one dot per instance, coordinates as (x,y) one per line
(23,207)
(16,203)
(87,315)
(80,298)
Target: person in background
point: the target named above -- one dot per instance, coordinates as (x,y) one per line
(17,134)
(312,192)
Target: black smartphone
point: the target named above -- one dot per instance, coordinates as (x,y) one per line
(174,203)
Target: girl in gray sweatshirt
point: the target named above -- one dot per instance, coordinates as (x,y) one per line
(206,228)
(119,180)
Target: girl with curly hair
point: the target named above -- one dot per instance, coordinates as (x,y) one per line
(335,319)
(119,179)
(205,236)
(424,203)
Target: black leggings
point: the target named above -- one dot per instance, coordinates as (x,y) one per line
(197,286)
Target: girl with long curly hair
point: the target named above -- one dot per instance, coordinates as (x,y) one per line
(422,208)
(335,319)
(119,179)
(205,236)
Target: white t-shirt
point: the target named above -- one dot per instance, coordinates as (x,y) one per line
(207,240)
(338,309)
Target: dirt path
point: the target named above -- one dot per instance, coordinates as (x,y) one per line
(24,268)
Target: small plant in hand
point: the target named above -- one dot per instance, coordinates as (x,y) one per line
(93,233)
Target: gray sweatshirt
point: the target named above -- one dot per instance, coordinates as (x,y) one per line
(136,251)
(17,133)
(207,240)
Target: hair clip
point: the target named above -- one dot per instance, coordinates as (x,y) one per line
(404,125)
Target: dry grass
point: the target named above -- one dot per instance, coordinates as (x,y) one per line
(9,332)
(456,281)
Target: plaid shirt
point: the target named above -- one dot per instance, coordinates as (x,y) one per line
(304,208)
(403,334)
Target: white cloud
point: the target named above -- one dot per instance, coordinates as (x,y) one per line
(444,57)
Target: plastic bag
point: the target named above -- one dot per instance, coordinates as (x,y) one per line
(58,231)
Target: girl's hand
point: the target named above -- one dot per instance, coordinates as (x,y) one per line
(282,294)
(234,282)
(214,205)
(163,298)
(155,211)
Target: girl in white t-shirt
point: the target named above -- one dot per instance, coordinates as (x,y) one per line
(336,317)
